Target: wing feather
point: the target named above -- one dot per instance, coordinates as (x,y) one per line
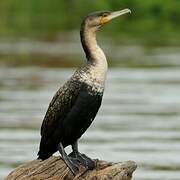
(81,115)
(58,108)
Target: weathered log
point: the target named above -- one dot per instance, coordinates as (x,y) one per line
(54,168)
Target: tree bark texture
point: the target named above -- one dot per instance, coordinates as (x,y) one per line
(54,168)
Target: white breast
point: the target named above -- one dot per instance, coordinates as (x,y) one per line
(96,75)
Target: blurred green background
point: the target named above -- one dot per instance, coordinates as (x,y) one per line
(44,19)
(32,32)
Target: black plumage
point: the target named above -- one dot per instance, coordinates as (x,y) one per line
(76,103)
(70,113)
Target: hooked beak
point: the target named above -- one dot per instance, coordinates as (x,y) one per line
(113,15)
(118,13)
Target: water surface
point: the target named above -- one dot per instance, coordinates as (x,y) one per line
(139,119)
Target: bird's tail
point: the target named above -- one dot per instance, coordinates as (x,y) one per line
(44,152)
(43,155)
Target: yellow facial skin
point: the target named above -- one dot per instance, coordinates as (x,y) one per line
(104,20)
(112,15)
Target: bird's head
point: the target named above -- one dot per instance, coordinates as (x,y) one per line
(97,19)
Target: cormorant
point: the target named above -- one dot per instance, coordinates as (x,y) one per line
(76,103)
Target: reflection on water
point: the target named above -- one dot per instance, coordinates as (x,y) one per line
(139,118)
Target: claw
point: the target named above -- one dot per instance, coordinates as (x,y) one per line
(83,160)
(90,162)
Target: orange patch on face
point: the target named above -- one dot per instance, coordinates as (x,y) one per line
(104,20)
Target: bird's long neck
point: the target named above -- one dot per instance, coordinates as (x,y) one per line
(94,53)
(94,72)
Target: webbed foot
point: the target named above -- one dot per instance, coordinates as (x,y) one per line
(83,160)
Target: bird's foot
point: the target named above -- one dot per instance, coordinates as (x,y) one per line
(73,165)
(83,160)
(91,164)
(71,162)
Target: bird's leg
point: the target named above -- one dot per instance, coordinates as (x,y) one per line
(68,160)
(82,158)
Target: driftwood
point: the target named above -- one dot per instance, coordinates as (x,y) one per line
(54,168)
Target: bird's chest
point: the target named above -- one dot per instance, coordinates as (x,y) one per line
(94,79)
